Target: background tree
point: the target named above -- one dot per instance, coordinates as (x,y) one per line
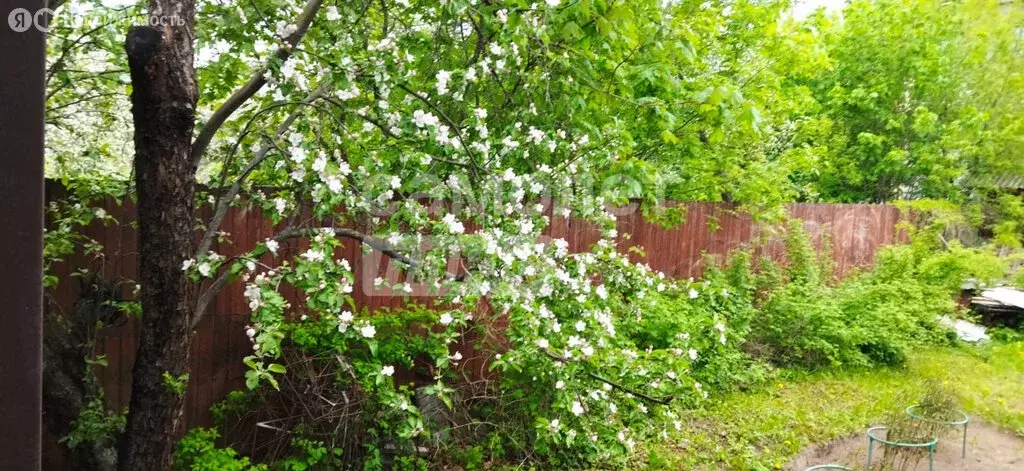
(907,108)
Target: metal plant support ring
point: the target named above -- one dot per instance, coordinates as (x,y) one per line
(829,466)
(952,423)
(929,445)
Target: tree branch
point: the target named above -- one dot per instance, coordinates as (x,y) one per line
(291,233)
(664,402)
(366,239)
(224,203)
(254,84)
(454,127)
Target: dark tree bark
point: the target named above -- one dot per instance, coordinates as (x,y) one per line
(164,94)
(68,382)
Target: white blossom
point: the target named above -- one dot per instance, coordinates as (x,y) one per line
(272,246)
(313,255)
(443,77)
(423,119)
(334,184)
(454,225)
(284,30)
(320,163)
(332,13)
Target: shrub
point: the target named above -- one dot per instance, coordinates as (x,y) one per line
(948,269)
(198,451)
(567,352)
(95,425)
(802,324)
(799,321)
(725,298)
(336,398)
(892,308)
(868,318)
(577,375)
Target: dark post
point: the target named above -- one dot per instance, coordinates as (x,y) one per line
(22,53)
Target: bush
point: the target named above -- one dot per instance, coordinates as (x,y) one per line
(803,325)
(336,398)
(948,269)
(198,451)
(891,309)
(564,358)
(799,321)
(866,319)
(725,298)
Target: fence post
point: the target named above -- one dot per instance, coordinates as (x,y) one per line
(21,211)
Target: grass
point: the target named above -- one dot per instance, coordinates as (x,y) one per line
(765,429)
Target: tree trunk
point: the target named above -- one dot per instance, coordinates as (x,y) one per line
(68,380)
(163,97)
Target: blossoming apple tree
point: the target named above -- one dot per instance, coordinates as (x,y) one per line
(446,136)
(486,108)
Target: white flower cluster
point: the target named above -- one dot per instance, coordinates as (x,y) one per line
(518,170)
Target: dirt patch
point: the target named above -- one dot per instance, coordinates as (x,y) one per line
(988,448)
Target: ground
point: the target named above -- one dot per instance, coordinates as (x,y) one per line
(791,420)
(989,448)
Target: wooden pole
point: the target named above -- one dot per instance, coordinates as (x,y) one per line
(22,63)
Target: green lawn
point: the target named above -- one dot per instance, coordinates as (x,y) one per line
(765,429)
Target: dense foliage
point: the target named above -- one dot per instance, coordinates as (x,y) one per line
(448,135)
(699,100)
(866,319)
(734,329)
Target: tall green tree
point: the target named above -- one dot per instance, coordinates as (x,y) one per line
(917,100)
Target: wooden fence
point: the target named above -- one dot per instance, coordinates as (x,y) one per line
(856,232)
